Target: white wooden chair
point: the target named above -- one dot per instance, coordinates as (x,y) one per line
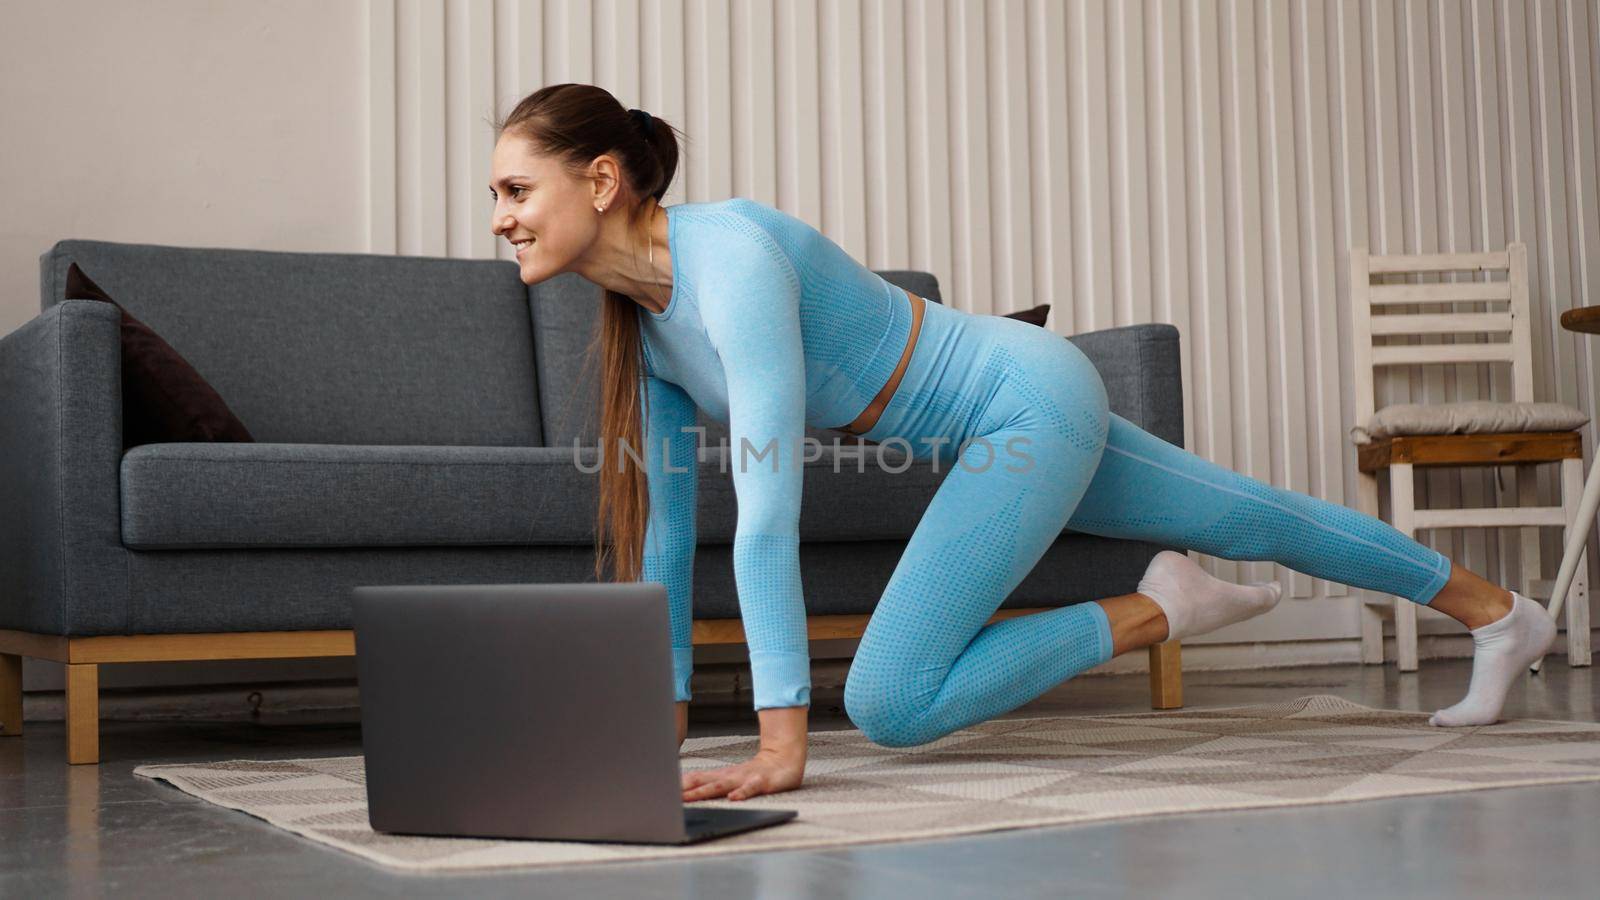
(1398,454)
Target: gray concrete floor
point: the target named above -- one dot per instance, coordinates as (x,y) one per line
(93,831)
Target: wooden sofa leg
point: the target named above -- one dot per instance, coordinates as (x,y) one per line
(83,714)
(10,693)
(1166,675)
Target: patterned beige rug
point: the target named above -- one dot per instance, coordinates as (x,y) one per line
(1001,774)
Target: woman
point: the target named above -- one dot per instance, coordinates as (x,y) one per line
(754,316)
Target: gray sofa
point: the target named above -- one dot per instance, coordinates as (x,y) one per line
(415,421)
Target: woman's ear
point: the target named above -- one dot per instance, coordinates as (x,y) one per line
(606,176)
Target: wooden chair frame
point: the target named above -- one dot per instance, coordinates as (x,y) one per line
(83,657)
(1401,454)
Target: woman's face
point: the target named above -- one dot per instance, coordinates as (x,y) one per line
(536,199)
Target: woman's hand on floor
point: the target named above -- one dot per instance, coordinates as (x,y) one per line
(779,765)
(770,772)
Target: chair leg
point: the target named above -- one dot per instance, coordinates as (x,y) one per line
(10,693)
(83,714)
(1371,635)
(1405,634)
(1371,619)
(1166,675)
(1577,604)
(1528,538)
(1402,500)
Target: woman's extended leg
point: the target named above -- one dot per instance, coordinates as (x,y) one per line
(1148,489)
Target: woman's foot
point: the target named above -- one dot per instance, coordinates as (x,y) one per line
(1501,650)
(1195,603)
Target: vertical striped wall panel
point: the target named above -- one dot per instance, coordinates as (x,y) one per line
(1202,162)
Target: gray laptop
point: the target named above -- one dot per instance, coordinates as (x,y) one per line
(538,711)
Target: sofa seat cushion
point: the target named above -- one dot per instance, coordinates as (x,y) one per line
(1468,417)
(265,495)
(308,589)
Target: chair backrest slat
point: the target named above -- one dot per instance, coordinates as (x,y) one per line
(1437,262)
(1511,322)
(1435,354)
(1441,292)
(1447,323)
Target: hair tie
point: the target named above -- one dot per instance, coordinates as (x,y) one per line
(644,120)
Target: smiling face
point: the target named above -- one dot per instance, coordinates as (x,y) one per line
(537,199)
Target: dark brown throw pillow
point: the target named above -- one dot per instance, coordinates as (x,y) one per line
(1035,316)
(163,398)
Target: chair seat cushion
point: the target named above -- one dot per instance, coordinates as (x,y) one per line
(265,495)
(1468,417)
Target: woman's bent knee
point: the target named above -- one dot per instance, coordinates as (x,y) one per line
(884,720)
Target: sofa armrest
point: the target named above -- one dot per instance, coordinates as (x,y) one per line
(1143,373)
(63,569)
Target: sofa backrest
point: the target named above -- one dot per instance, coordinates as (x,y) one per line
(566,316)
(337,348)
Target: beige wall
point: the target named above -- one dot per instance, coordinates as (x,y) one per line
(211,124)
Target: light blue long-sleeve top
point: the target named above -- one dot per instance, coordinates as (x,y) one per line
(770,327)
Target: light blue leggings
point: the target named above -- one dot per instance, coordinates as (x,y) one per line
(927,664)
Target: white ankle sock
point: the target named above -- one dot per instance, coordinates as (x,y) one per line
(1501,651)
(1195,602)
